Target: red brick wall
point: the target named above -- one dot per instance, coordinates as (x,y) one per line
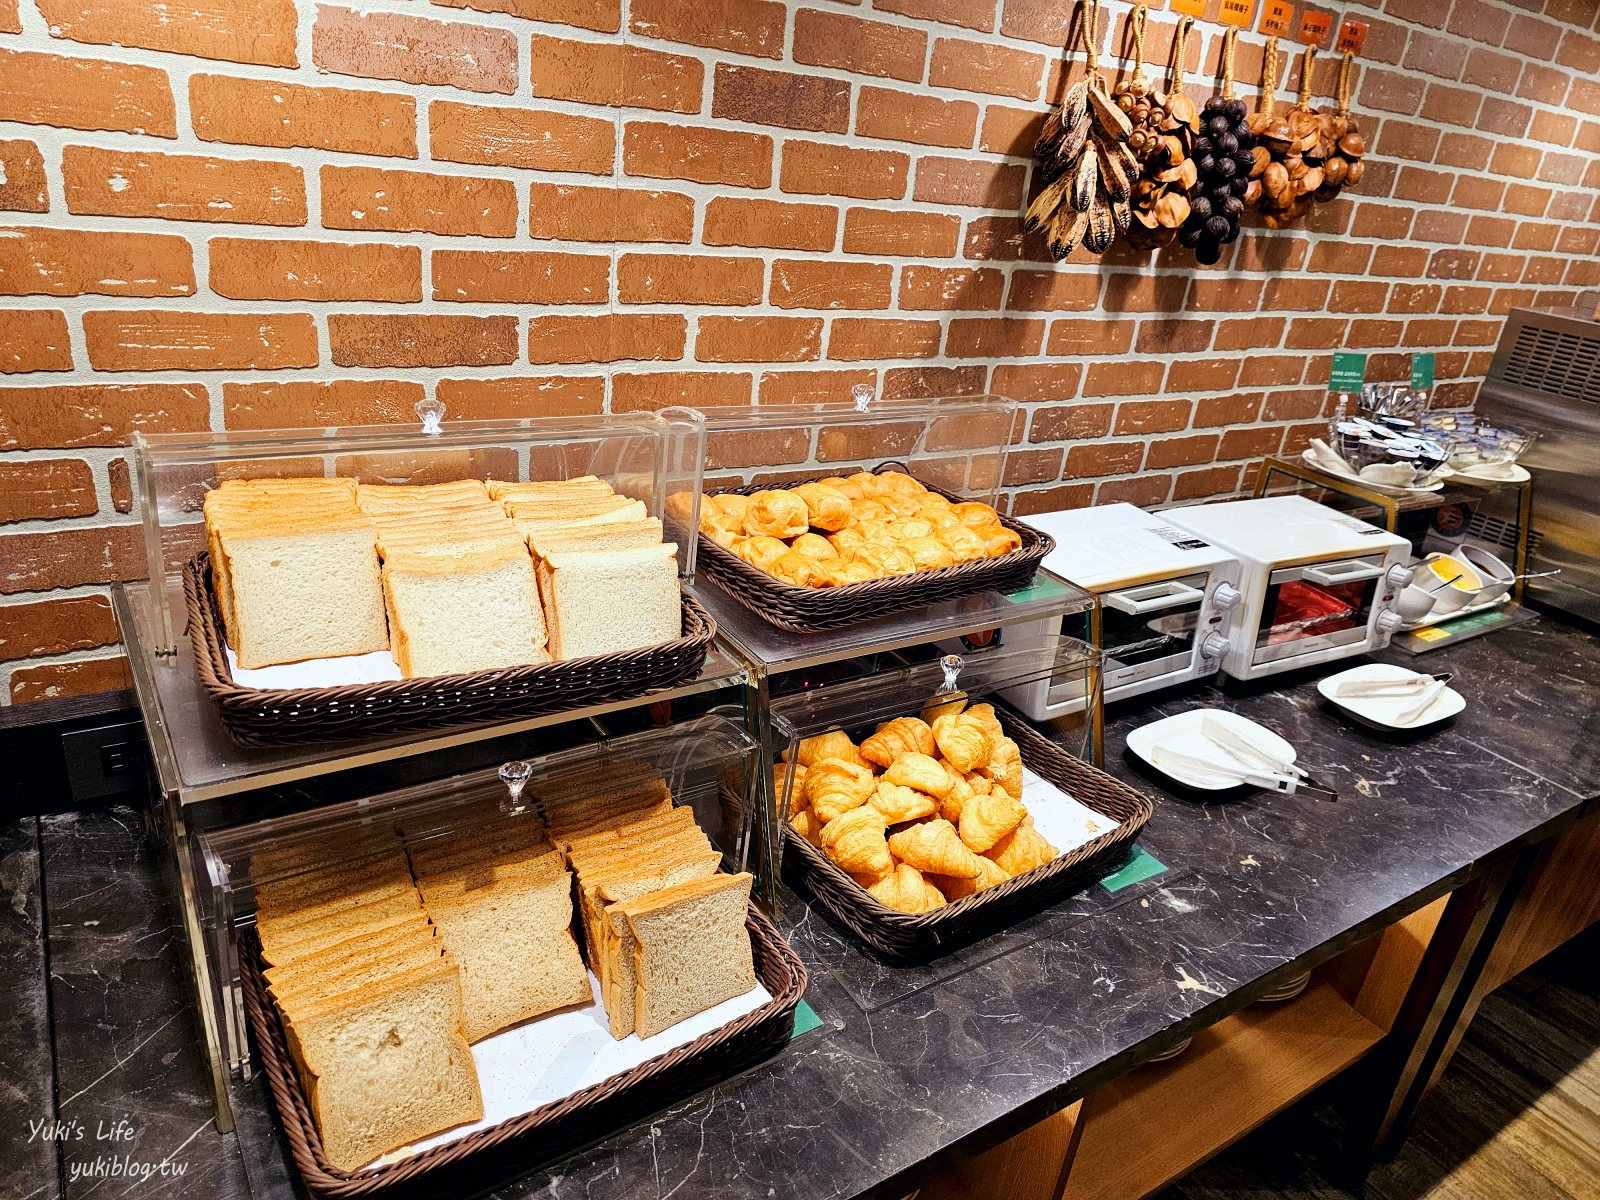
(274,212)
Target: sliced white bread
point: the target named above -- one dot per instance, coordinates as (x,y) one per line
(611,535)
(644,825)
(514,941)
(483,873)
(278,948)
(691,949)
(285,877)
(574,507)
(471,612)
(606,601)
(304,589)
(301,986)
(531,518)
(360,948)
(381,495)
(497,836)
(352,893)
(538,489)
(389,1062)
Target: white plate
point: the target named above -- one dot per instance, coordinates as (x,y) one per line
(1181,734)
(1383,489)
(1517,474)
(1384,711)
(1435,617)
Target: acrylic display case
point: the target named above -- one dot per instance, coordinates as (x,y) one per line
(1087,818)
(706,764)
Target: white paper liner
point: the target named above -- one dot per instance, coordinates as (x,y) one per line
(1064,822)
(377,667)
(550,1058)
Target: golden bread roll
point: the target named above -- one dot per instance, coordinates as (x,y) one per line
(814,545)
(776,514)
(855,840)
(940,519)
(835,787)
(900,804)
(868,510)
(732,504)
(847,540)
(903,735)
(928,554)
(761,550)
(988,818)
(935,847)
(906,890)
(900,505)
(728,539)
(998,540)
(871,485)
(851,571)
(901,483)
(849,487)
(827,507)
(932,502)
(875,529)
(975,515)
(963,543)
(801,570)
(907,528)
(886,560)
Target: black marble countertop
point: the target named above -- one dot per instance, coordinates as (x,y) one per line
(98,1043)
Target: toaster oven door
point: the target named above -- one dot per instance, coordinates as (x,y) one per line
(1150,630)
(1317,607)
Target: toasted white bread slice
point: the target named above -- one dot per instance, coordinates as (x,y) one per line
(477,611)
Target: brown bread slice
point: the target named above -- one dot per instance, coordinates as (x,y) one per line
(691,950)
(304,987)
(278,948)
(361,947)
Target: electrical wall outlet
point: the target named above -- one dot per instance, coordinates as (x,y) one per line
(106,761)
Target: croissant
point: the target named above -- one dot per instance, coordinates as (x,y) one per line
(963,740)
(962,542)
(761,551)
(952,806)
(936,847)
(956,888)
(928,554)
(814,546)
(998,540)
(975,515)
(985,715)
(826,507)
(776,514)
(1005,767)
(908,891)
(988,818)
(856,842)
(800,570)
(835,787)
(783,774)
(809,826)
(1023,849)
(903,735)
(731,504)
(835,743)
(900,804)
(886,560)
(939,707)
(923,773)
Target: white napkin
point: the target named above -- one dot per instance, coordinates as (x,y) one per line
(1329,459)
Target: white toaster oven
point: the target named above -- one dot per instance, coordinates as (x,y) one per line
(1168,599)
(1319,585)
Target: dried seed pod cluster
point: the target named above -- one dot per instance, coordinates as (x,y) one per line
(1287,165)
(1088,170)
(1222,158)
(1341,167)
(1164,125)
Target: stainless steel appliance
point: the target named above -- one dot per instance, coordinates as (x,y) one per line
(1318,585)
(1167,601)
(1545,378)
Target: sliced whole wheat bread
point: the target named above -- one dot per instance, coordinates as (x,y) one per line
(692,950)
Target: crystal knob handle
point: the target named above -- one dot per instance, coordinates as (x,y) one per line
(951,665)
(431,413)
(515,776)
(1213,645)
(862,392)
(1226,597)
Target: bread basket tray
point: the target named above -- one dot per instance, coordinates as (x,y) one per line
(284,716)
(489,1156)
(906,938)
(801,609)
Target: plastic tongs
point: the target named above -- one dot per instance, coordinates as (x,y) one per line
(1391,687)
(1256,766)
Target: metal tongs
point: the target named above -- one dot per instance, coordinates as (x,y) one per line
(1256,766)
(1411,686)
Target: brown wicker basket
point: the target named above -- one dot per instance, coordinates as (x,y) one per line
(481,1159)
(803,609)
(284,716)
(906,938)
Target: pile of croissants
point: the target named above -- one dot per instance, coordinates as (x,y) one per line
(840,531)
(926,811)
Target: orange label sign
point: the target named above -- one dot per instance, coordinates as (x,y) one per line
(1236,12)
(1277,18)
(1352,36)
(1314,27)
(1193,8)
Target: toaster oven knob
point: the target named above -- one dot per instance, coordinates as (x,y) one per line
(1225,597)
(1388,622)
(1399,577)
(1213,645)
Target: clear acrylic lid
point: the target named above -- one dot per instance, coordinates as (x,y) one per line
(958,443)
(859,706)
(649,456)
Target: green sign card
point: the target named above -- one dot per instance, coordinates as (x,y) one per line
(1348,373)
(1422,372)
